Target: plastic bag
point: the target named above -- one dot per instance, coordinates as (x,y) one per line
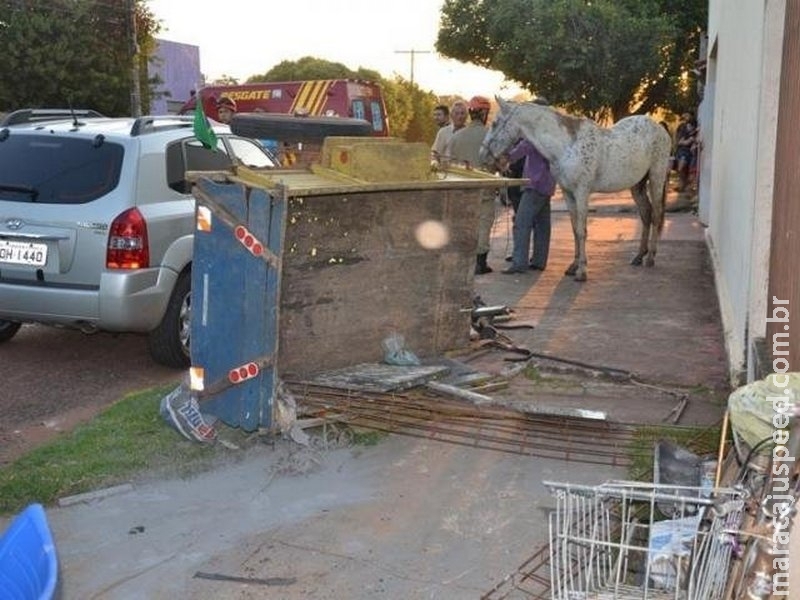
(181,411)
(753,407)
(670,549)
(395,352)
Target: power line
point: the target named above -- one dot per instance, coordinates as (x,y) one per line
(413,53)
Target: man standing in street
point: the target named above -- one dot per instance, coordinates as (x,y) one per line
(441,116)
(458,118)
(464,150)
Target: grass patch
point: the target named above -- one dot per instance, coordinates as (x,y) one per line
(364,437)
(700,440)
(127,438)
(532,373)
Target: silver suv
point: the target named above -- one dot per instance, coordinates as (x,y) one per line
(97,220)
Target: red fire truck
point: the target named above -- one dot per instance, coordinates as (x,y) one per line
(352,98)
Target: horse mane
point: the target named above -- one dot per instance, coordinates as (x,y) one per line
(552,128)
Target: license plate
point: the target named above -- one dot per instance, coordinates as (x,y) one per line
(23,253)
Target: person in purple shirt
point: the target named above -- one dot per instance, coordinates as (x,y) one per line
(533,213)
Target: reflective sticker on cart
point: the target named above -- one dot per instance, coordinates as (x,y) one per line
(243,373)
(196,376)
(248,240)
(203,218)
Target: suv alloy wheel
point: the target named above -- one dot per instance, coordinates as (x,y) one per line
(169,342)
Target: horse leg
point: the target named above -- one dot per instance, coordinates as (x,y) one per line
(569,199)
(578,205)
(639,193)
(581,214)
(657,182)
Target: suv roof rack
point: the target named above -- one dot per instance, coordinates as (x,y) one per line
(150,123)
(35,115)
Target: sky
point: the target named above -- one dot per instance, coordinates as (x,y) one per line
(241,38)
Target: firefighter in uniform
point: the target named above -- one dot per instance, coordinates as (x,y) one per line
(226,108)
(464,148)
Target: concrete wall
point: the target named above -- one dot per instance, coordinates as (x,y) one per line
(739,153)
(178,66)
(772,51)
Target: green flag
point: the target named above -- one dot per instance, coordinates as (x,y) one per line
(202,128)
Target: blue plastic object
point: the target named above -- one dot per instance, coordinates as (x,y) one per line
(28,561)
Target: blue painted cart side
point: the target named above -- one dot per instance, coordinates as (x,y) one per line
(236,274)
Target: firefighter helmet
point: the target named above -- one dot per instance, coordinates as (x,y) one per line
(479,103)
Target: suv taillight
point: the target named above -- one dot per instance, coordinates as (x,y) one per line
(127,242)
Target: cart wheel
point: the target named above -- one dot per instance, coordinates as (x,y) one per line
(291,128)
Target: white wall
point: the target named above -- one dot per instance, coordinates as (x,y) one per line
(736,33)
(765,173)
(705,118)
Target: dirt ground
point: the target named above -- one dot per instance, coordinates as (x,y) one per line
(53,379)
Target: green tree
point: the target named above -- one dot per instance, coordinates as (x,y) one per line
(602,58)
(306,68)
(410,110)
(78,52)
(225,80)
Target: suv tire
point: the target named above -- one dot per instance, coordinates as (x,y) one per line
(169,342)
(8,329)
(292,128)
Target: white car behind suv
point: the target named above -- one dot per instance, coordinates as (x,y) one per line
(97,220)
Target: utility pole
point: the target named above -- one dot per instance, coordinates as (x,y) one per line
(136,90)
(412,52)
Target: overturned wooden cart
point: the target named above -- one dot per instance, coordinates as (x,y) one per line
(303,271)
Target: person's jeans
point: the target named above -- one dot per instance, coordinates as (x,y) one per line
(532,218)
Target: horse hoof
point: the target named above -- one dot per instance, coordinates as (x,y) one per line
(580,276)
(636,261)
(649,261)
(571,270)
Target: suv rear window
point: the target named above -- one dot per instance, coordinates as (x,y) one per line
(57,170)
(190,155)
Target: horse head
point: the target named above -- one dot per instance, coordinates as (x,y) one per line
(503,133)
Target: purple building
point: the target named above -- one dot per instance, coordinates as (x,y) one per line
(178,67)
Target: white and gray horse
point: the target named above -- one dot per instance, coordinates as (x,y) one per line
(586,158)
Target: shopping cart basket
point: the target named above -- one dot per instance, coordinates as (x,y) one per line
(611,541)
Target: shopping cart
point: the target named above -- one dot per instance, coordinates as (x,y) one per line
(612,541)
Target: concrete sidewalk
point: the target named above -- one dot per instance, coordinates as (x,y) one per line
(416,518)
(661,324)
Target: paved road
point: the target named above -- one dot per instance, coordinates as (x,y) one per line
(407,518)
(54,378)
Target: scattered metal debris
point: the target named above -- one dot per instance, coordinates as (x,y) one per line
(248,580)
(531,578)
(423,412)
(677,411)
